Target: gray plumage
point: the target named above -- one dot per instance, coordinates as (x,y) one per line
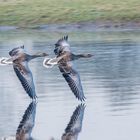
(20,64)
(73,79)
(66,66)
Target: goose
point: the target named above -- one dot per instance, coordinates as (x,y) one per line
(20,61)
(63,59)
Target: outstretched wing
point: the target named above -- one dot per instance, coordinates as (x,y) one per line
(75,125)
(25,76)
(27,123)
(73,79)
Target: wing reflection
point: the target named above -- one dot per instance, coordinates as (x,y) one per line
(27,123)
(74,127)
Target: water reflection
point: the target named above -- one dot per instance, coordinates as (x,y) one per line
(26,125)
(74,127)
(111,82)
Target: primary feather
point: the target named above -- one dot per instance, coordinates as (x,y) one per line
(25,76)
(73,79)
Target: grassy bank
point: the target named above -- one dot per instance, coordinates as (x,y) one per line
(36,12)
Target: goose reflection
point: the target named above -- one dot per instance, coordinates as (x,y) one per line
(26,125)
(74,127)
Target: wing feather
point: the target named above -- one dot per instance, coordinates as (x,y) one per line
(73,79)
(25,76)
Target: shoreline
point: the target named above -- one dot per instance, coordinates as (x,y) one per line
(84,26)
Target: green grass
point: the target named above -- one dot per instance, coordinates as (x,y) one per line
(36,12)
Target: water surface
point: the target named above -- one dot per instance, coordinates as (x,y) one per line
(111,83)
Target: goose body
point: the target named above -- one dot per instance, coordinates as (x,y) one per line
(65,63)
(20,61)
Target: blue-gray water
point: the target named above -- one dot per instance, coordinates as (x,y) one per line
(111,83)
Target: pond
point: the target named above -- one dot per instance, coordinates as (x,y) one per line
(111,84)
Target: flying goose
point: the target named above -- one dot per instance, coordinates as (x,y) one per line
(64,58)
(20,61)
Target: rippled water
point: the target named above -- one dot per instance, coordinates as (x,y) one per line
(111,82)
